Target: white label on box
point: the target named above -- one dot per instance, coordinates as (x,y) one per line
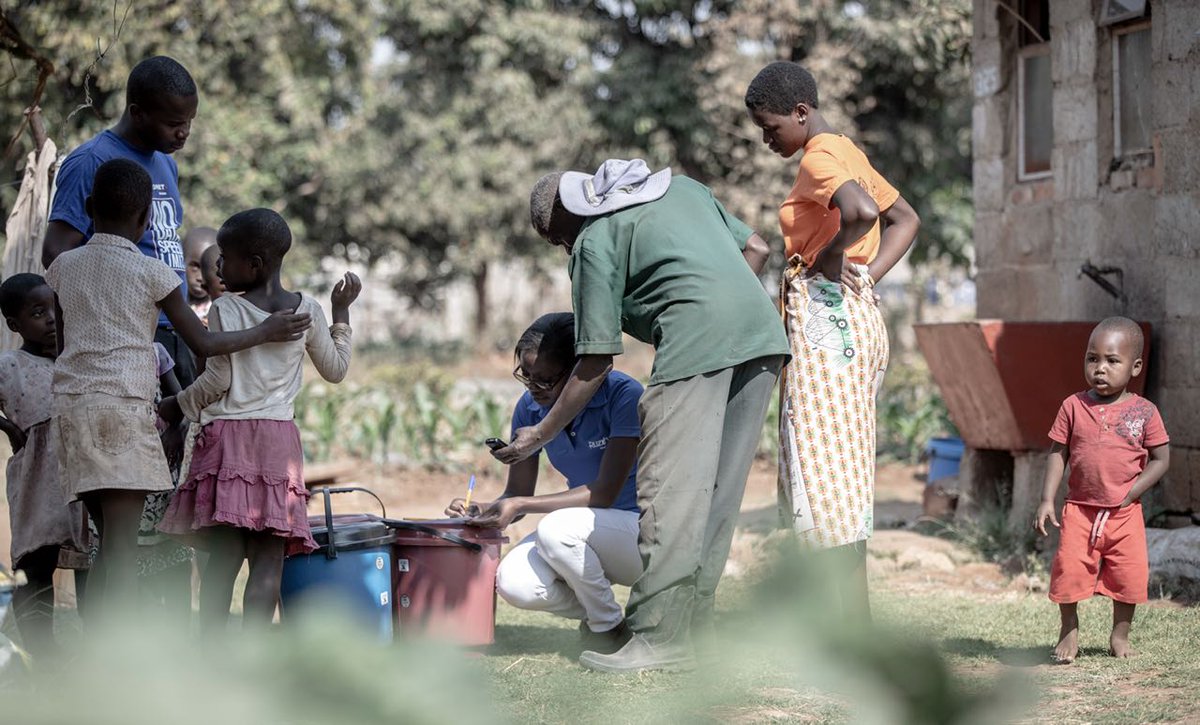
(383,598)
(379,563)
(402,564)
(404,601)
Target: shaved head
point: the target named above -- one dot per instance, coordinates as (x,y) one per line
(199,238)
(1125,327)
(549,217)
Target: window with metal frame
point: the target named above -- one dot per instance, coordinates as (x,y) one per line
(1035,91)
(1133,118)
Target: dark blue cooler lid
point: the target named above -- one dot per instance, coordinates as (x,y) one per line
(352,531)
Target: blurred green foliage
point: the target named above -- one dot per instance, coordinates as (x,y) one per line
(407,414)
(413,130)
(909,411)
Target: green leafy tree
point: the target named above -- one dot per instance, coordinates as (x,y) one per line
(407,134)
(893,74)
(276,80)
(471,103)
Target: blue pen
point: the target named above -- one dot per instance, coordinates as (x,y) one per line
(470,490)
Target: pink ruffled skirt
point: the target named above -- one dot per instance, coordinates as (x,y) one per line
(247,474)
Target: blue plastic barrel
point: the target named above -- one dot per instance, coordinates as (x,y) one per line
(944,456)
(353,566)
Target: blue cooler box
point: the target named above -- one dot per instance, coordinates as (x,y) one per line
(353,565)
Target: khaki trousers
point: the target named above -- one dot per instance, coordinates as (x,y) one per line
(699,436)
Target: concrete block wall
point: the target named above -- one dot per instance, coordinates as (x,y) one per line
(1141,214)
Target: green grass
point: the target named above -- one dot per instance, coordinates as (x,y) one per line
(535,678)
(984,638)
(992,645)
(937,656)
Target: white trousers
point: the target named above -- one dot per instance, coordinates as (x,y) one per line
(569,564)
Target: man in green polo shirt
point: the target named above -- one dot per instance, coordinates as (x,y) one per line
(659,258)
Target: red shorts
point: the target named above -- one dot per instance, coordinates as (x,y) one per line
(1116,566)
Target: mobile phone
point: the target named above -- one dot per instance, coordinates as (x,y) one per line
(495,444)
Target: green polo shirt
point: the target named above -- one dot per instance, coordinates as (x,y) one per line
(670,273)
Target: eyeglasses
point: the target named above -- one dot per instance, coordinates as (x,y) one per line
(542,386)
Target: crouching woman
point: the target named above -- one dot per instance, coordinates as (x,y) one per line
(588,539)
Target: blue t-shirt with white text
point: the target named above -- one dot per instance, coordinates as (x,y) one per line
(73,185)
(577,450)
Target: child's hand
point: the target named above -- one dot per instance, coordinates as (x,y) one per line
(172,443)
(1045,510)
(346,291)
(286,326)
(16,436)
(169,410)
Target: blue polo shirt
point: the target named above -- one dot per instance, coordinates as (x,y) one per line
(73,184)
(576,451)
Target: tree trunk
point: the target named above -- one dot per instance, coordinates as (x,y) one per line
(482,322)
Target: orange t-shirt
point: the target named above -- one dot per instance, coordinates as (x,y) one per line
(808,223)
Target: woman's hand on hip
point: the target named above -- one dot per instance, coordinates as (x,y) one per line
(858,279)
(831,265)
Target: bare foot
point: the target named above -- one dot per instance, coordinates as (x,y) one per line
(1068,644)
(1118,641)
(1068,634)
(1118,644)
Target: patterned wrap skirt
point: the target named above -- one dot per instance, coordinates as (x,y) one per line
(839,350)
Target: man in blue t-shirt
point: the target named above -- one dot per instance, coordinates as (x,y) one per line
(160,103)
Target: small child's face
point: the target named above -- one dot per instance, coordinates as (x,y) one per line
(1111,362)
(36,322)
(235,270)
(193,254)
(786,134)
(210,275)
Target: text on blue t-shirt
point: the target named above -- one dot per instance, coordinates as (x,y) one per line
(576,451)
(73,185)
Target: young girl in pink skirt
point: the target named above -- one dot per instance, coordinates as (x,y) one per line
(244,496)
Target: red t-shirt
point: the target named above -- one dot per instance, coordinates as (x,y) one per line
(1108,445)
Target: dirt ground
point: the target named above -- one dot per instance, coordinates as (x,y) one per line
(421,494)
(899,559)
(415,494)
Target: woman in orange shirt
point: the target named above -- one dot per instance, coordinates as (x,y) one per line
(844,226)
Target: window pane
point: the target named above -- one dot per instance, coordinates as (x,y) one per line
(1133,61)
(1037,119)
(1037,14)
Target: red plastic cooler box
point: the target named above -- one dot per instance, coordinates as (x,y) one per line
(444,578)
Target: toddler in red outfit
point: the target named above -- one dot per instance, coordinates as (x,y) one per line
(1116,446)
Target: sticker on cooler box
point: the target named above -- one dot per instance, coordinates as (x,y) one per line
(402,564)
(379,563)
(383,598)
(405,601)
